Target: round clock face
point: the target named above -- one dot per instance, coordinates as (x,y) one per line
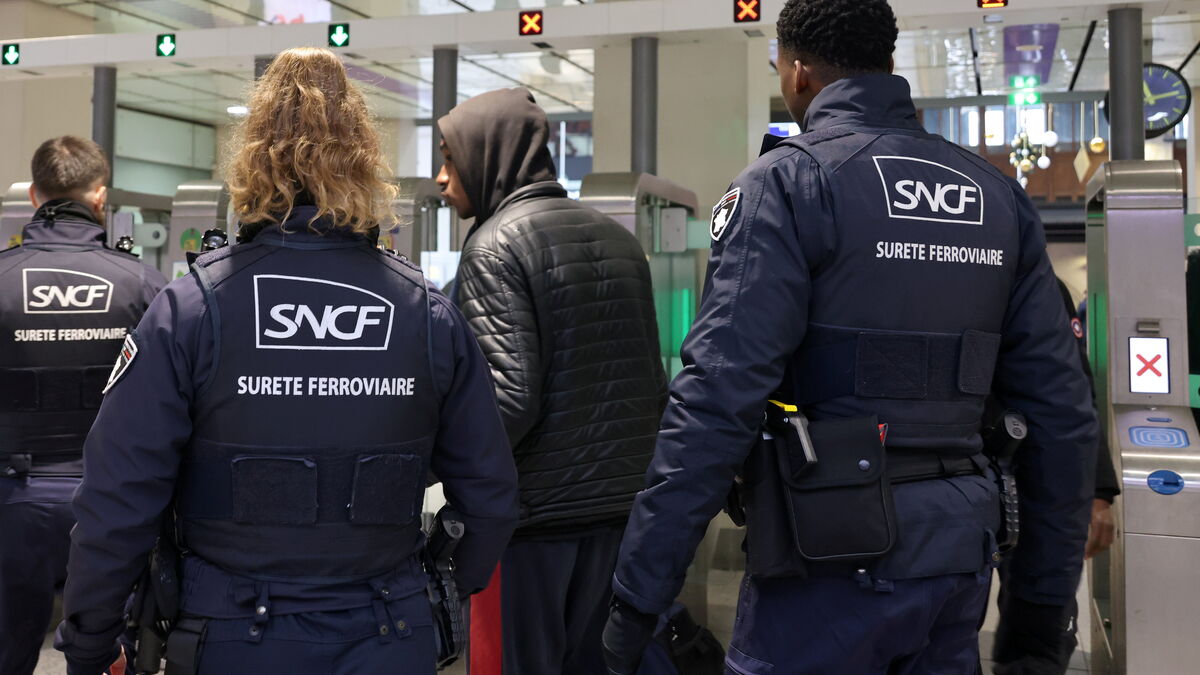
(1166,96)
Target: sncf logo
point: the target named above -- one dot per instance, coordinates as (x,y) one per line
(54,291)
(918,189)
(319,315)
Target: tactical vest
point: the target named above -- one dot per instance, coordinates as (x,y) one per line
(313,433)
(907,311)
(64,310)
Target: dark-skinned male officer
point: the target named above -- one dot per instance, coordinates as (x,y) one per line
(66,302)
(878,280)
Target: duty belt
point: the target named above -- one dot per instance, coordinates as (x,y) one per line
(909,466)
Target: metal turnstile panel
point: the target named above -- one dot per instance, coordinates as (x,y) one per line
(198,206)
(657,212)
(1144,591)
(1160,608)
(416,208)
(15,214)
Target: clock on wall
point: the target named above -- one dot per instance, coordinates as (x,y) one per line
(1166,96)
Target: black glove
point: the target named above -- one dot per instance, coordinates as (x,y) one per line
(626,636)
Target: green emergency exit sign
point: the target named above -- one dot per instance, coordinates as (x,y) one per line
(1025,98)
(165,46)
(1025,81)
(339,35)
(10,54)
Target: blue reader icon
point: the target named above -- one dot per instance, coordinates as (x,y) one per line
(1165,482)
(1159,437)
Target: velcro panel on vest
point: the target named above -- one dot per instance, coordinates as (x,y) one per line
(52,389)
(837,362)
(977,362)
(893,366)
(274,490)
(303,486)
(378,481)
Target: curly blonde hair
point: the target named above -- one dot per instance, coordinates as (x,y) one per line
(309,130)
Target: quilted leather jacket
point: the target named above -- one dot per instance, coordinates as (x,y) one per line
(561,301)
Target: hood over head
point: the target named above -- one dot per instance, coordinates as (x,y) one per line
(498,141)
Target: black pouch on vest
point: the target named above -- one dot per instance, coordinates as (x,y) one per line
(770,547)
(840,508)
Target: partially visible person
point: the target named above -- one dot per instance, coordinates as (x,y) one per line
(560,299)
(277,415)
(67,301)
(1026,644)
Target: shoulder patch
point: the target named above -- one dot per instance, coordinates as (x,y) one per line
(1077,328)
(129,350)
(723,213)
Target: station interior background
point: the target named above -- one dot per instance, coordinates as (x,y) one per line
(717,95)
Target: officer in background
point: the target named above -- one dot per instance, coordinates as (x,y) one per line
(66,302)
(1024,645)
(285,404)
(881,280)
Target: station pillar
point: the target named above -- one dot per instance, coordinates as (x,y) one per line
(104,112)
(644,120)
(445,95)
(1127,112)
(713,107)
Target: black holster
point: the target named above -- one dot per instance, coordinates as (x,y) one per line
(1003,434)
(183,645)
(450,630)
(155,607)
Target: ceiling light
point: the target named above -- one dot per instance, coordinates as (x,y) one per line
(238,110)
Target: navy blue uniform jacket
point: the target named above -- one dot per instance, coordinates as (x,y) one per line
(764,285)
(133,454)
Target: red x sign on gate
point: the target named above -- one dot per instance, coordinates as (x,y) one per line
(745,11)
(531,23)
(1149,365)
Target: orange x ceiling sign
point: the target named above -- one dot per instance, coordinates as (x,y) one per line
(531,23)
(747,11)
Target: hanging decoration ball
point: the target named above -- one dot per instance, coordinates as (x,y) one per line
(1024,181)
(1049,139)
(1097,145)
(1043,162)
(1016,142)
(1024,152)
(1026,165)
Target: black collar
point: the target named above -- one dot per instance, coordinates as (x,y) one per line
(64,221)
(298,232)
(877,100)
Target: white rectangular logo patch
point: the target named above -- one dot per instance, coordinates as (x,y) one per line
(918,189)
(54,291)
(319,315)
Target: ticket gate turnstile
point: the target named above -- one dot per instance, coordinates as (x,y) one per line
(198,206)
(416,228)
(661,215)
(1145,590)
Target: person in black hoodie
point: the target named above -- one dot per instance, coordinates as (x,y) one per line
(560,299)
